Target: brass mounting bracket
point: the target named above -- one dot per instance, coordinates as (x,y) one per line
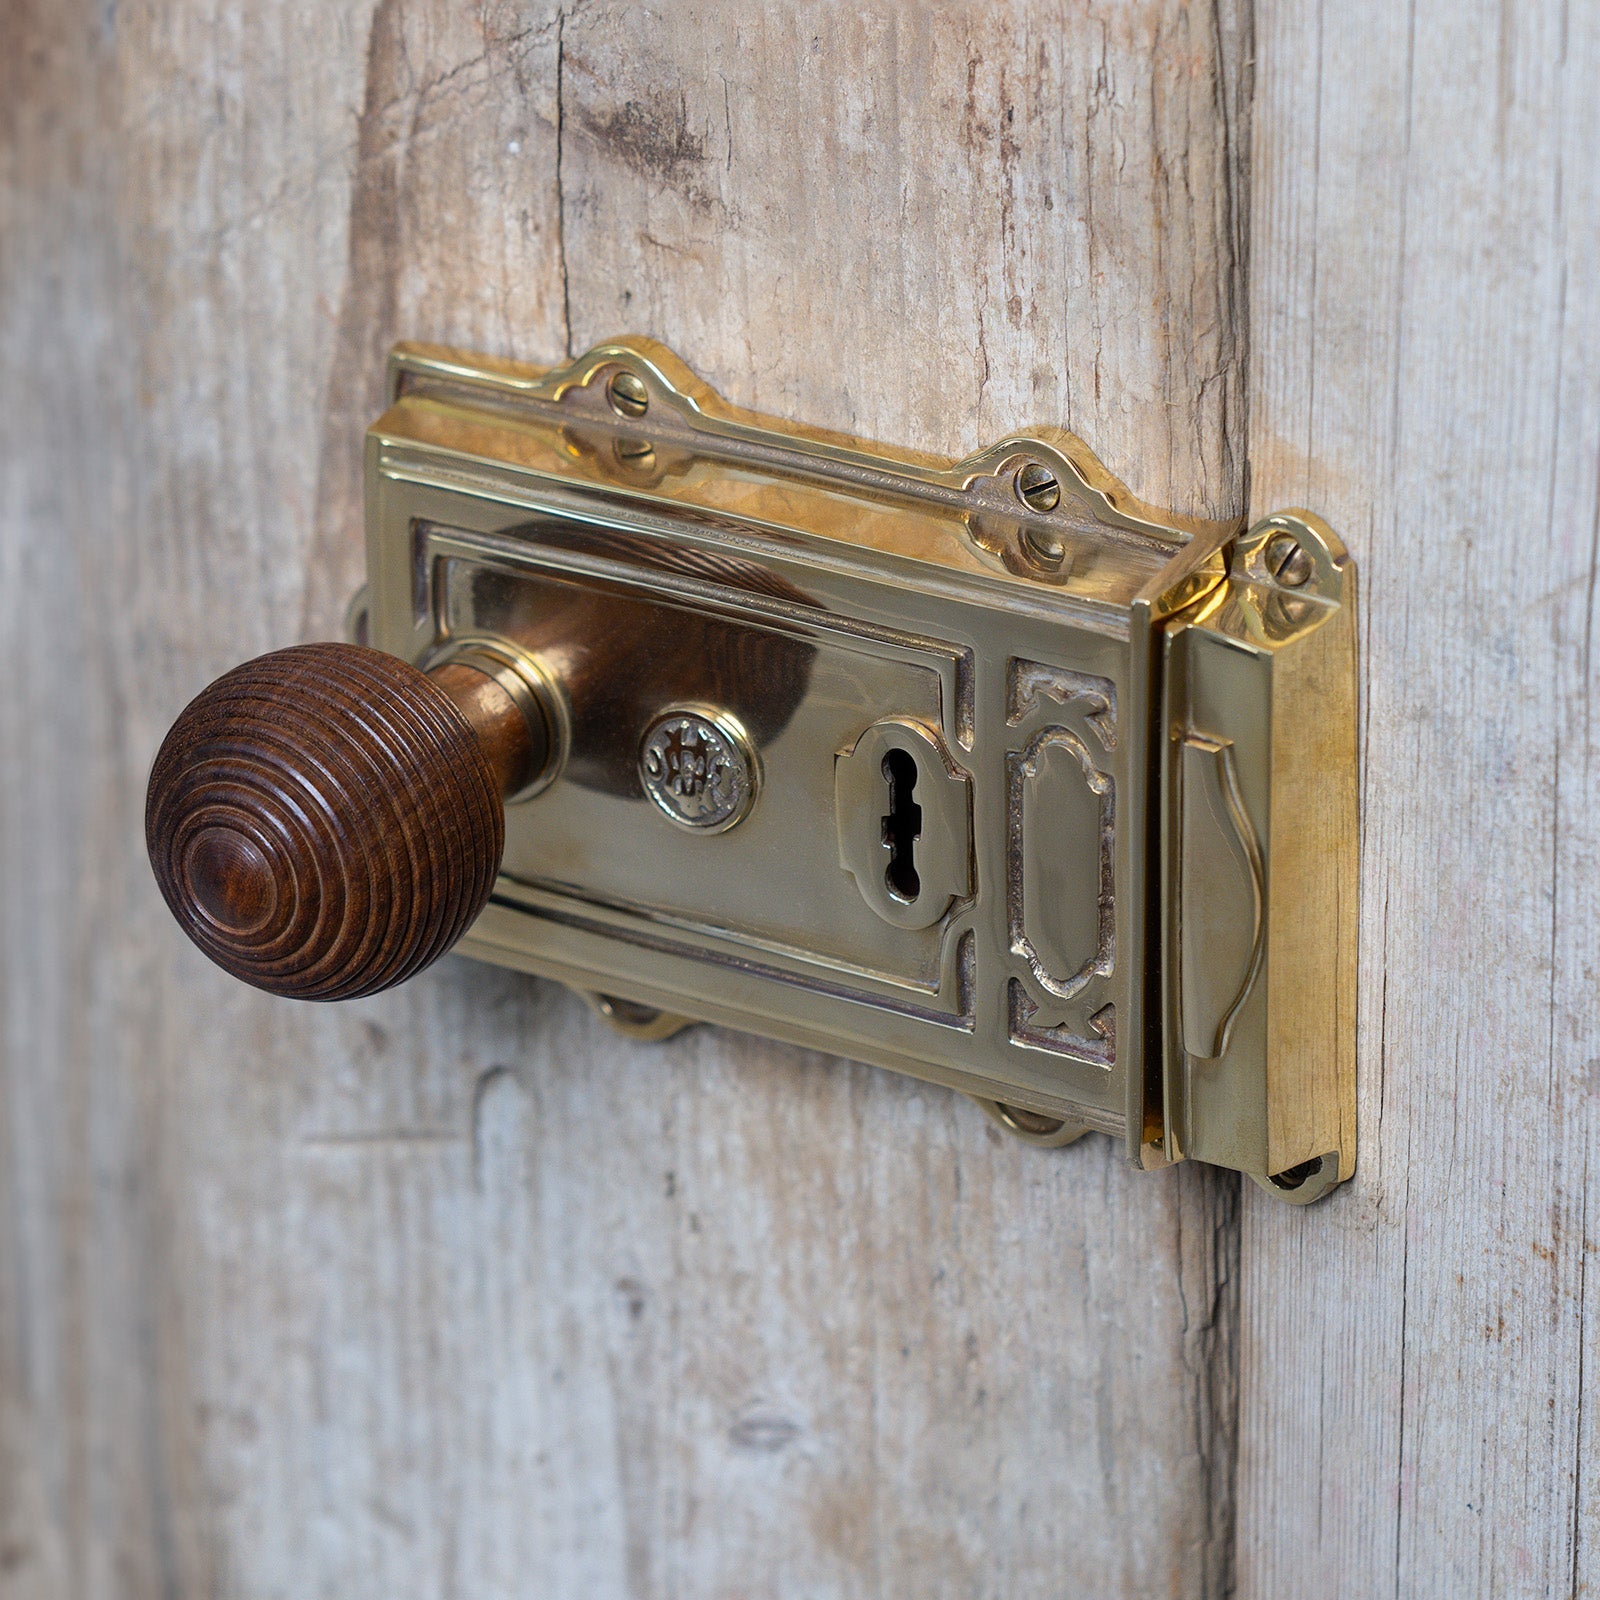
(981,770)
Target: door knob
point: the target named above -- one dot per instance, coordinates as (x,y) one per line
(326,820)
(978,769)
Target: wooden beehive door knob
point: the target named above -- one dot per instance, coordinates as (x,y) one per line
(326,820)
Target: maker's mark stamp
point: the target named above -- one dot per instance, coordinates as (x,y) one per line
(698,768)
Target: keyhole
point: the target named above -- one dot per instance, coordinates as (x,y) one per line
(903,825)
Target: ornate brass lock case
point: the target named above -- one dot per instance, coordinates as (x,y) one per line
(979,770)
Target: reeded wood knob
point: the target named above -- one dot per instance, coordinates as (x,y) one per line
(326,820)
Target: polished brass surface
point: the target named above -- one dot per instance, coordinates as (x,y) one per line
(1032,1127)
(634,1021)
(1259,827)
(981,770)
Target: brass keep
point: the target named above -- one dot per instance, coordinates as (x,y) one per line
(981,770)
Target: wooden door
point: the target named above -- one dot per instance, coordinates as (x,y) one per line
(452,1292)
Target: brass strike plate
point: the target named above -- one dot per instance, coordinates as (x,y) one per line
(980,770)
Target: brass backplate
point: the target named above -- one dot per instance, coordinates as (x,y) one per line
(981,770)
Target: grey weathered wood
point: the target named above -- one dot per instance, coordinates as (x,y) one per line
(1419,1356)
(451,1293)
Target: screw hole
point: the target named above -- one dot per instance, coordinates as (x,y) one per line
(902,827)
(1294,1177)
(1031,1122)
(1044,547)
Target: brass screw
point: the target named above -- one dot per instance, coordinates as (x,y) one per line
(1037,487)
(1045,548)
(637,453)
(1288,560)
(628,395)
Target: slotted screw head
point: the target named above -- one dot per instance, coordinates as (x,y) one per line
(1288,560)
(1047,549)
(1037,487)
(636,452)
(628,395)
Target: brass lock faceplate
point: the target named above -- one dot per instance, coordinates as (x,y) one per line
(979,770)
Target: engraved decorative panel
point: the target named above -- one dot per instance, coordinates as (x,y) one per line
(1060,900)
(1097,1047)
(1030,685)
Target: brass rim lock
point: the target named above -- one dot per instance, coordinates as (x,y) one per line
(981,770)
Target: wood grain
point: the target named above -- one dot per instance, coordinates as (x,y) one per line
(1420,1354)
(324,821)
(449,1292)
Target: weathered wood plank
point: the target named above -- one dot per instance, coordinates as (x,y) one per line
(1426,304)
(450,1292)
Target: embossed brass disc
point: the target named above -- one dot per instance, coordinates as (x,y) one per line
(698,769)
